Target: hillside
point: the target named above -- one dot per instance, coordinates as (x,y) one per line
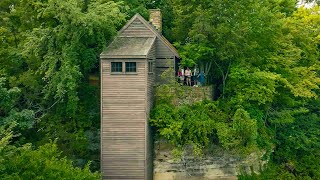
(260,60)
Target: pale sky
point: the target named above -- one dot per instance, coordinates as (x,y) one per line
(307,5)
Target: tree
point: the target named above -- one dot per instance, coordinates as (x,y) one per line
(67,44)
(226,34)
(265,63)
(48,49)
(42,163)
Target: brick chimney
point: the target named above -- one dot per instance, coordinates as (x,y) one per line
(156,19)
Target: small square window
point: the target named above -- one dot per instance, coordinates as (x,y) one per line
(131,67)
(150,67)
(116,66)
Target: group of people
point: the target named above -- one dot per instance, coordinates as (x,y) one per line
(190,78)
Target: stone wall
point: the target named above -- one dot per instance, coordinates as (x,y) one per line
(215,164)
(193,94)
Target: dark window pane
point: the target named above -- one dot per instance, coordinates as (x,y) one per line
(116,66)
(131,67)
(150,67)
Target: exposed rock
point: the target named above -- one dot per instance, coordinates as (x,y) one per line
(194,94)
(218,164)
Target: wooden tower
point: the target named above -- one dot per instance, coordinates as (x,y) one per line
(130,67)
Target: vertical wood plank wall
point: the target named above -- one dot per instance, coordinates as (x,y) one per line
(165,59)
(123,123)
(150,101)
(126,101)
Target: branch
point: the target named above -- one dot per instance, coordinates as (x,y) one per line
(42,110)
(227,73)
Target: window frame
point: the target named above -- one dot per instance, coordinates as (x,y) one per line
(151,66)
(116,72)
(126,68)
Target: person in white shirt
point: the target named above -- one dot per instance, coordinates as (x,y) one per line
(188,73)
(195,76)
(181,76)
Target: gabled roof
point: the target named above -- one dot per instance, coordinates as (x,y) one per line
(138,47)
(129,46)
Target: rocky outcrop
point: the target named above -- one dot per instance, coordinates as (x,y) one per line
(193,94)
(215,164)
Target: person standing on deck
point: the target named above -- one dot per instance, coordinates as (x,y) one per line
(180,77)
(201,79)
(188,76)
(195,76)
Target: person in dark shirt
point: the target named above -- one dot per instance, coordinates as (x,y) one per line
(201,79)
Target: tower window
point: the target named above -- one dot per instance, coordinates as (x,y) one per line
(131,67)
(150,66)
(116,66)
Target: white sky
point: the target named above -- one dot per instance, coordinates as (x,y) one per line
(307,5)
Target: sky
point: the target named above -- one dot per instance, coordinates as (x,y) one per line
(307,5)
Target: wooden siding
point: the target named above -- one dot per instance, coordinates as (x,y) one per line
(150,101)
(123,122)
(126,101)
(165,59)
(162,65)
(151,78)
(162,50)
(137,29)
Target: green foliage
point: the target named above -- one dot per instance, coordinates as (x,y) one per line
(204,123)
(77,137)
(242,135)
(68,44)
(196,54)
(257,87)
(262,57)
(298,145)
(171,90)
(47,50)
(9,114)
(42,163)
(201,124)
(297,151)
(185,125)
(250,35)
(8,97)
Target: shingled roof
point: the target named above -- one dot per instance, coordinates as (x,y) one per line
(130,46)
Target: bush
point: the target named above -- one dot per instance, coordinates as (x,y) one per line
(42,163)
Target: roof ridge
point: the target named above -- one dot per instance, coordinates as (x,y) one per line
(156,32)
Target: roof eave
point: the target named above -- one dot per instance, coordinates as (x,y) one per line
(106,56)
